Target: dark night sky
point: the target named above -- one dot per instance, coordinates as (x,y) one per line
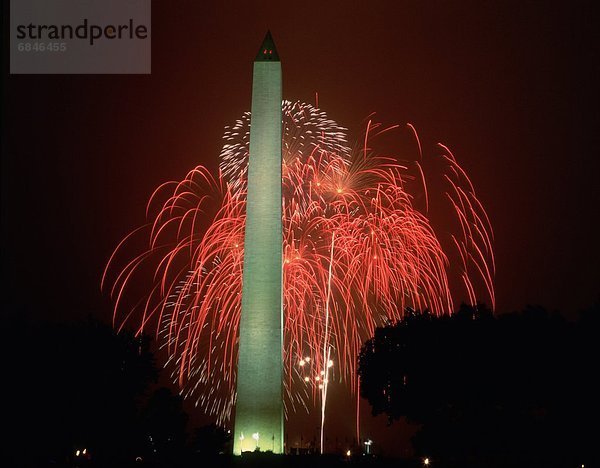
(511,87)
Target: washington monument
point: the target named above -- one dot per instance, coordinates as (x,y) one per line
(259,407)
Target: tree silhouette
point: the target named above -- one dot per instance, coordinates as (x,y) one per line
(163,424)
(78,386)
(485,387)
(211,440)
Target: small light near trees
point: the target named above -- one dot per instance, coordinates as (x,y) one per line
(302,362)
(426,461)
(348,453)
(307,359)
(306,379)
(77,453)
(84,451)
(330,363)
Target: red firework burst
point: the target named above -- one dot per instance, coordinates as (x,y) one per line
(357,252)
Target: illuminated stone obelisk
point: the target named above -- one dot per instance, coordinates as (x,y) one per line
(259,407)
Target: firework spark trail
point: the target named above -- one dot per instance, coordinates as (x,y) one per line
(387,257)
(326,347)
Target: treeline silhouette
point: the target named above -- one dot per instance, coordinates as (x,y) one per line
(486,390)
(516,389)
(82,394)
